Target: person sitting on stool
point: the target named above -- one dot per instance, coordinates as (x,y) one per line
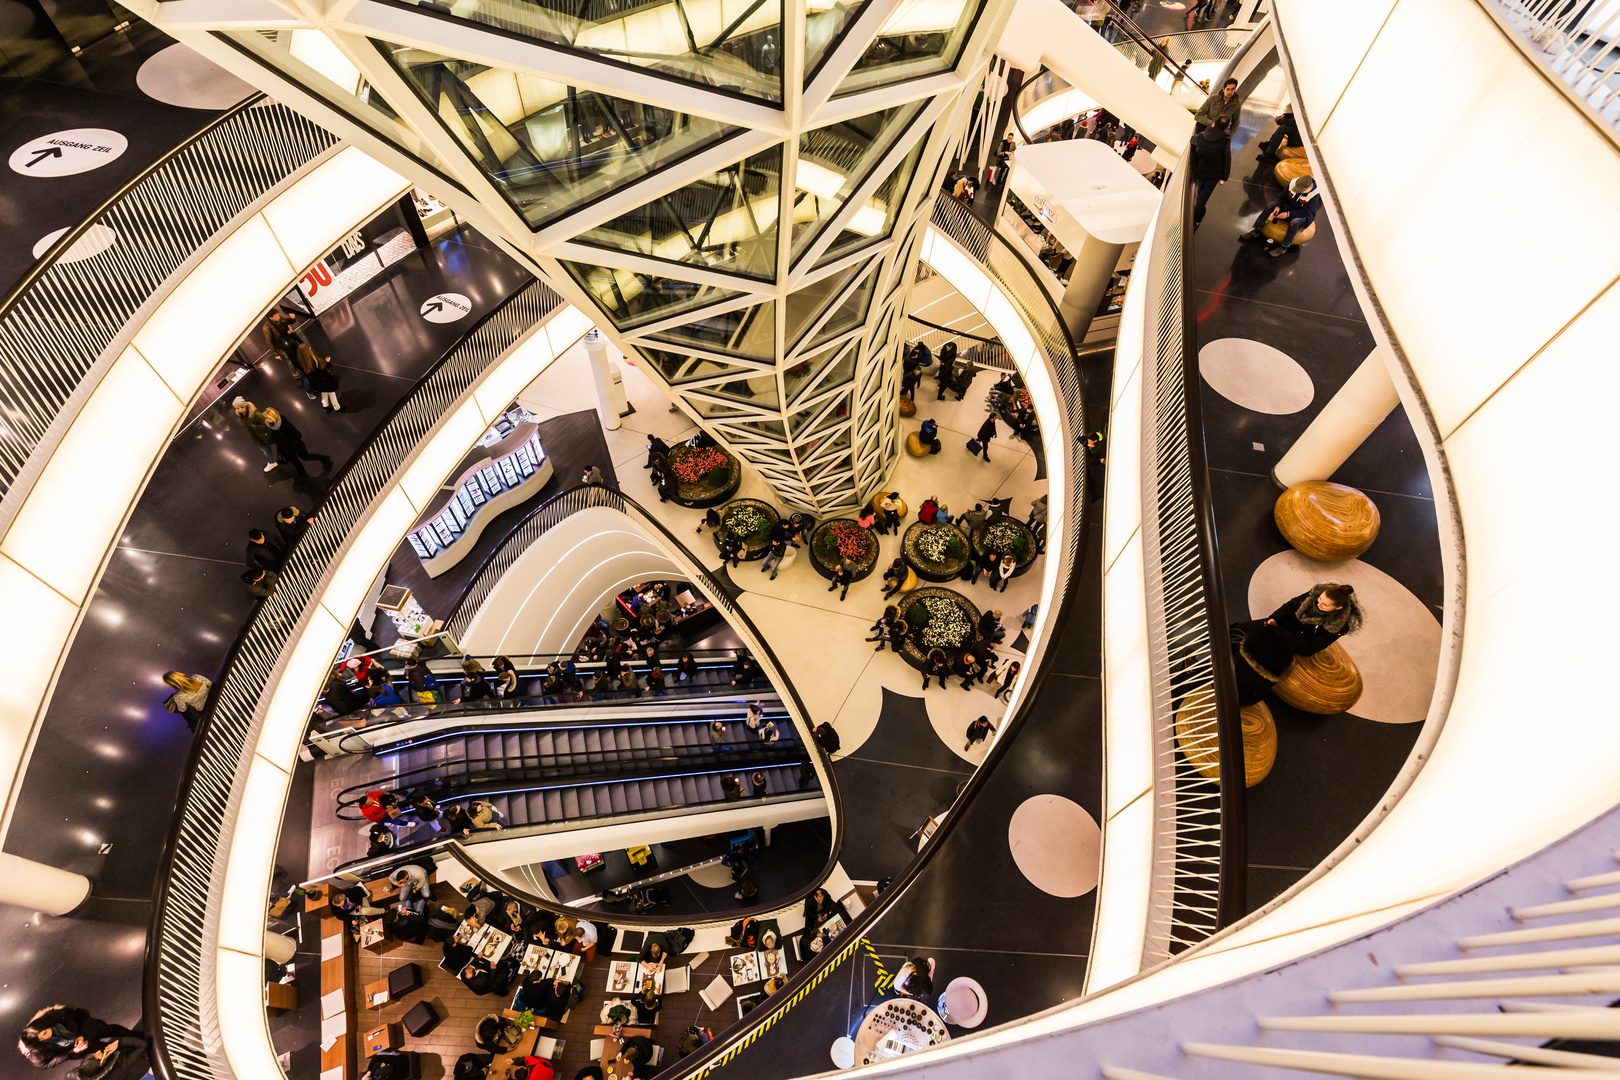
(1287,127)
(1295,210)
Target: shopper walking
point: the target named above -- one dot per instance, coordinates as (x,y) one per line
(278,335)
(290,444)
(189,697)
(773,557)
(247,414)
(1223,102)
(987,431)
(1211,164)
(1008,677)
(320,378)
(978,731)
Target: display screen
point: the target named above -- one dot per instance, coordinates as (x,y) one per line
(529,456)
(448,520)
(456,512)
(419,546)
(534,447)
(474,491)
(521,461)
(445,537)
(491,479)
(509,473)
(465,500)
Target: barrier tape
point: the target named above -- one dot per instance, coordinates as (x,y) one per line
(748,1040)
(884,979)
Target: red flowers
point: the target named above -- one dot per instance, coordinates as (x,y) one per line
(691,466)
(853,541)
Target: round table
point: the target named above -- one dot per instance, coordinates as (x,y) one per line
(898,1026)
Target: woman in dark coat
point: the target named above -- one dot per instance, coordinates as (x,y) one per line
(62,1032)
(1316,619)
(1261,656)
(819,906)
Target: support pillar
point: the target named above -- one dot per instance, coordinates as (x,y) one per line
(1354,413)
(608,404)
(1093,267)
(33,885)
(279,947)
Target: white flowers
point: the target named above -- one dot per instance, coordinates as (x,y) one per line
(947,626)
(934,545)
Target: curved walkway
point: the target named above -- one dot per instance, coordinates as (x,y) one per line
(99,787)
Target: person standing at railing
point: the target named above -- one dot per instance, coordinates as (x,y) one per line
(1211,164)
(1223,102)
(263,552)
(1156,61)
(189,697)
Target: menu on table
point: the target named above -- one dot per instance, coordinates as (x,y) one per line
(744,968)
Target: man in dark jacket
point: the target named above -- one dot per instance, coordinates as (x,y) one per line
(1287,127)
(1295,209)
(1211,164)
(987,431)
(263,552)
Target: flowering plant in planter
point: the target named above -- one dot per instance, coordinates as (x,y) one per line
(694,466)
(947,627)
(845,540)
(939,545)
(746,523)
(1005,538)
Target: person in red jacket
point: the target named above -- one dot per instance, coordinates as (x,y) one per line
(379,806)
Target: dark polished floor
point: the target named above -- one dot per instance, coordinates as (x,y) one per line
(1330,771)
(94,89)
(100,786)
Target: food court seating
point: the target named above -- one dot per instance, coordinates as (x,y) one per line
(1325,683)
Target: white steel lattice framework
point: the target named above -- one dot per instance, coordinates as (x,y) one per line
(642,157)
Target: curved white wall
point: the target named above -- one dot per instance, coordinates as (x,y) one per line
(549,597)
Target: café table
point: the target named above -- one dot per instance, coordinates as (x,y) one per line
(612,1044)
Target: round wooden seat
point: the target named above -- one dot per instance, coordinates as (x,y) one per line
(908,407)
(1201,747)
(911,580)
(1325,683)
(1326,521)
(1291,153)
(915,446)
(1276,230)
(1290,170)
(1259,743)
(877,497)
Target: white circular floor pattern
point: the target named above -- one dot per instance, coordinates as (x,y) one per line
(1256,376)
(181,76)
(1056,844)
(716,876)
(95,240)
(1397,647)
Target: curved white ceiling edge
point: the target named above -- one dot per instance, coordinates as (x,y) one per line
(56,546)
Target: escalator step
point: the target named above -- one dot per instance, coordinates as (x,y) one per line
(616,797)
(661,793)
(554,805)
(587,802)
(638,737)
(632,796)
(499,802)
(689,790)
(593,740)
(535,806)
(570,803)
(576,742)
(545,743)
(529,742)
(610,740)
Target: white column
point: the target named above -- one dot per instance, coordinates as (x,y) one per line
(1094,265)
(29,884)
(602,376)
(1343,425)
(279,947)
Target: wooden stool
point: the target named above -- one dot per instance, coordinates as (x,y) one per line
(1276,230)
(916,447)
(907,407)
(1291,170)
(1326,521)
(1201,747)
(1290,153)
(1259,743)
(1325,683)
(877,497)
(911,580)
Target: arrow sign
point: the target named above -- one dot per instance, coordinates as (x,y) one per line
(446,307)
(63,153)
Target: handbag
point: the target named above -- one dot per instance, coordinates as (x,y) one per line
(427,697)
(974,446)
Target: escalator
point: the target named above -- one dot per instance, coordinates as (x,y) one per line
(569,774)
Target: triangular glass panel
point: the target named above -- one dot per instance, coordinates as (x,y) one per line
(733,45)
(766,454)
(744,331)
(825,25)
(833,160)
(717,410)
(805,305)
(549,147)
(760,429)
(920,37)
(725,221)
(677,368)
(821,370)
(850,314)
(757,388)
(874,221)
(631,299)
(821,414)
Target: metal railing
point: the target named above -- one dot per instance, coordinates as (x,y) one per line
(1580,42)
(977,238)
(1198,870)
(181,1013)
(56,323)
(986,352)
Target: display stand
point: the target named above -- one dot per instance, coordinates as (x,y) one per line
(477,497)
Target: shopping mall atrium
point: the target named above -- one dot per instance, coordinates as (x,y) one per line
(490,602)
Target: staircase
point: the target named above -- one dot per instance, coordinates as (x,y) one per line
(578,802)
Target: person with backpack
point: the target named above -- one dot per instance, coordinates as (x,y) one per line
(1211,164)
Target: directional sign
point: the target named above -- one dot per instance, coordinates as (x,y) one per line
(446,307)
(63,153)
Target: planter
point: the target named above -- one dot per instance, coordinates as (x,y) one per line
(936,552)
(1002,534)
(860,544)
(750,521)
(935,631)
(704,477)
